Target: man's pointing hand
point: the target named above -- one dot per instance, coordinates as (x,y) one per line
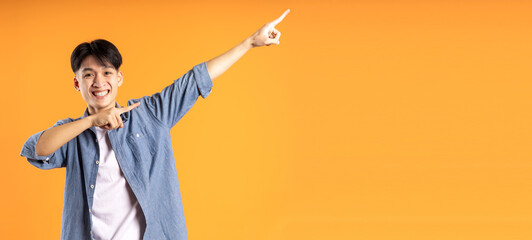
(268,34)
(110,119)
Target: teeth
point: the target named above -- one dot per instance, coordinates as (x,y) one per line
(100,94)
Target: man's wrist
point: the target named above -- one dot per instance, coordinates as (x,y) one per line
(248,42)
(89,121)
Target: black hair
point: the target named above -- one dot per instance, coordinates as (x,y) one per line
(103,50)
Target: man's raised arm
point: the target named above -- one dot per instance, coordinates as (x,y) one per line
(267,35)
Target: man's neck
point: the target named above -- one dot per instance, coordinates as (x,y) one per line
(93,110)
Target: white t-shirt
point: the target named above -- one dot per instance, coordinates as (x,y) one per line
(116,213)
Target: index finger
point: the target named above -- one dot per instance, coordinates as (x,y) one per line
(278,20)
(128,108)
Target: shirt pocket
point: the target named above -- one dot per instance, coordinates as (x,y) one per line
(142,142)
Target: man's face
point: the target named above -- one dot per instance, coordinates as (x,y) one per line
(97,84)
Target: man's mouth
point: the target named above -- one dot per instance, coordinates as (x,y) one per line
(101,93)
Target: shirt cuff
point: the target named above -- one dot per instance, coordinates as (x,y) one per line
(28,151)
(203,79)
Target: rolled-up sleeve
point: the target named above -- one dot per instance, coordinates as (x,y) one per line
(174,101)
(54,160)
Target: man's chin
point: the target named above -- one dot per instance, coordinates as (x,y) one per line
(99,107)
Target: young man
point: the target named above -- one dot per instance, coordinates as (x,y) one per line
(121,180)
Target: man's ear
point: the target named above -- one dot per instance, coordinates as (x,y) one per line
(120,78)
(76,83)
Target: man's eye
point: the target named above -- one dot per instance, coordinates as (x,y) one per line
(87,75)
(108,73)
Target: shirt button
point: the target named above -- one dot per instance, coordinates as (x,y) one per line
(96,139)
(97,162)
(138,135)
(47,158)
(90,210)
(92,186)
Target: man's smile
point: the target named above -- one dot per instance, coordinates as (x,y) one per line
(101,93)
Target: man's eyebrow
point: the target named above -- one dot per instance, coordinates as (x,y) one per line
(90,69)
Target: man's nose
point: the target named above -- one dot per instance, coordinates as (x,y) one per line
(98,81)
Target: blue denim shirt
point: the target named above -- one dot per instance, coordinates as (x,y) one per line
(144,152)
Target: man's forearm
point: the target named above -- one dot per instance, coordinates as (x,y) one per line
(221,63)
(53,138)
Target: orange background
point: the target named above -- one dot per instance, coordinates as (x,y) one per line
(371,120)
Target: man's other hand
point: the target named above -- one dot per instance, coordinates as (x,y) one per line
(268,35)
